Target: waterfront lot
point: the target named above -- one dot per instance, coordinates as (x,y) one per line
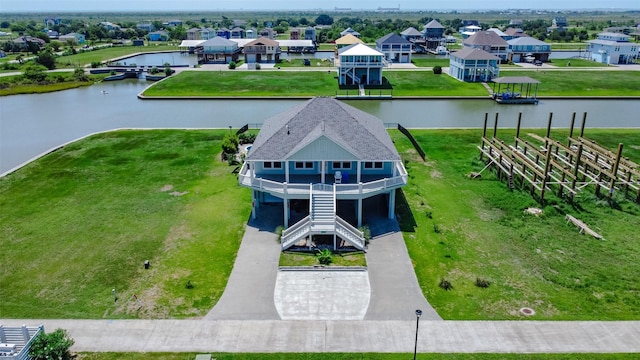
(81,222)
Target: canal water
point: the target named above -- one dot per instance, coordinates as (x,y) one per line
(176,58)
(33,124)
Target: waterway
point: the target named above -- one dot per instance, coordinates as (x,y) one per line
(33,124)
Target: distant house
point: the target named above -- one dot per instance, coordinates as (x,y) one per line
(513,33)
(488,41)
(2,54)
(268,33)
(359,64)
(310,34)
(23,41)
(346,41)
(223,32)
(208,33)
(433,30)
(174,23)
(468,31)
(558,23)
(146,26)
(52,21)
(395,48)
(528,49)
(515,22)
(74,38)
(194,34)
(218,51)
(613,48)
(411,34)
(474,65)
(469,25)
(499,32)
(294,34)
(52,34)
(109,25)
(310,158)
(251,33)
(158,36)
(348,31)
(262,50)
(237,33)
(137,42)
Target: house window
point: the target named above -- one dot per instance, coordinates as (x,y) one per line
(304,165)
(344,165)
(373,165)
(272,165)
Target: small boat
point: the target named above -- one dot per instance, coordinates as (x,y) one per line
(441,50)
(104,92)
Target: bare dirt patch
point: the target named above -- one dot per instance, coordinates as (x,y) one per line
(435,174)
(533,211)
(178,193)
(167,188)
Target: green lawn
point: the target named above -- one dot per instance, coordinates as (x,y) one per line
(247,83)
(55,81)
(275,83)
(541,263)
(289,258)
(429,62)
(350,356)
(107,53)
(299,63)
(426,83)
(583,83)
(82,220)
(576,63)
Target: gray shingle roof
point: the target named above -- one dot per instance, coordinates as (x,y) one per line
(411,31)
(469,53)
(357,132)
(392,38)
(485,38)
(219,41)
(433,24)
(526,40)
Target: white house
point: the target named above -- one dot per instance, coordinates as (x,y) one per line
(329,157)
(613,48)
(262,50)
(218,51)
(359,64)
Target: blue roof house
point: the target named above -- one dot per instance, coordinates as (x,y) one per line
(395,48)
(224,32)
(333,161)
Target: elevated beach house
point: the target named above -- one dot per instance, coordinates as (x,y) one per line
(474,65)
(262,50)
(528,49)
(360,64)
(613,48)
(488,41)
(218,51)
(327,156)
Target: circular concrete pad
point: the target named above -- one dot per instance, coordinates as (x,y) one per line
(322,295)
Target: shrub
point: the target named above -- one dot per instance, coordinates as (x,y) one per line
(80,75)
(366,232)
(482,283)
(168,71)
(153,70)
(188,285)
(445,284)
(232,65)
(429,214)
(257,66)
(437,69)
(325,257)
(247,138)
(436,229)
(54,345)
(95,64)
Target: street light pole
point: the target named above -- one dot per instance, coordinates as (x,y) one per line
(415,348)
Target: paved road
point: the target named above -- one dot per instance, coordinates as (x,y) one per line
(347,336)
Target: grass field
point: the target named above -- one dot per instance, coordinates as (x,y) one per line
(537,262)
(246,83)
(425,62)
(583,83)
(86,58)
(81,222)
(310,259)
(576,63)
(312,83)
(299,63)
(351,356)
(58,81)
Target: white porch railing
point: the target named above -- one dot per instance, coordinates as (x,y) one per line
(362,188)
(295,233)
(349,233)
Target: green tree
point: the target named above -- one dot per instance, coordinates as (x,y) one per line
(47,59)
(324,19)
(34,73)
(80,75)
(54,345)
(5,24)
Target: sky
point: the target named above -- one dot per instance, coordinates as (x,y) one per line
(214,5)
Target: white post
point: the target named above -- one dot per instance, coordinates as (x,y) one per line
(392,204)
(286,171)
(322,169)
(358,171)
(334,241)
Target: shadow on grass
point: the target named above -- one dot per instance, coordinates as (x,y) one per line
(386,85)
(405,217)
